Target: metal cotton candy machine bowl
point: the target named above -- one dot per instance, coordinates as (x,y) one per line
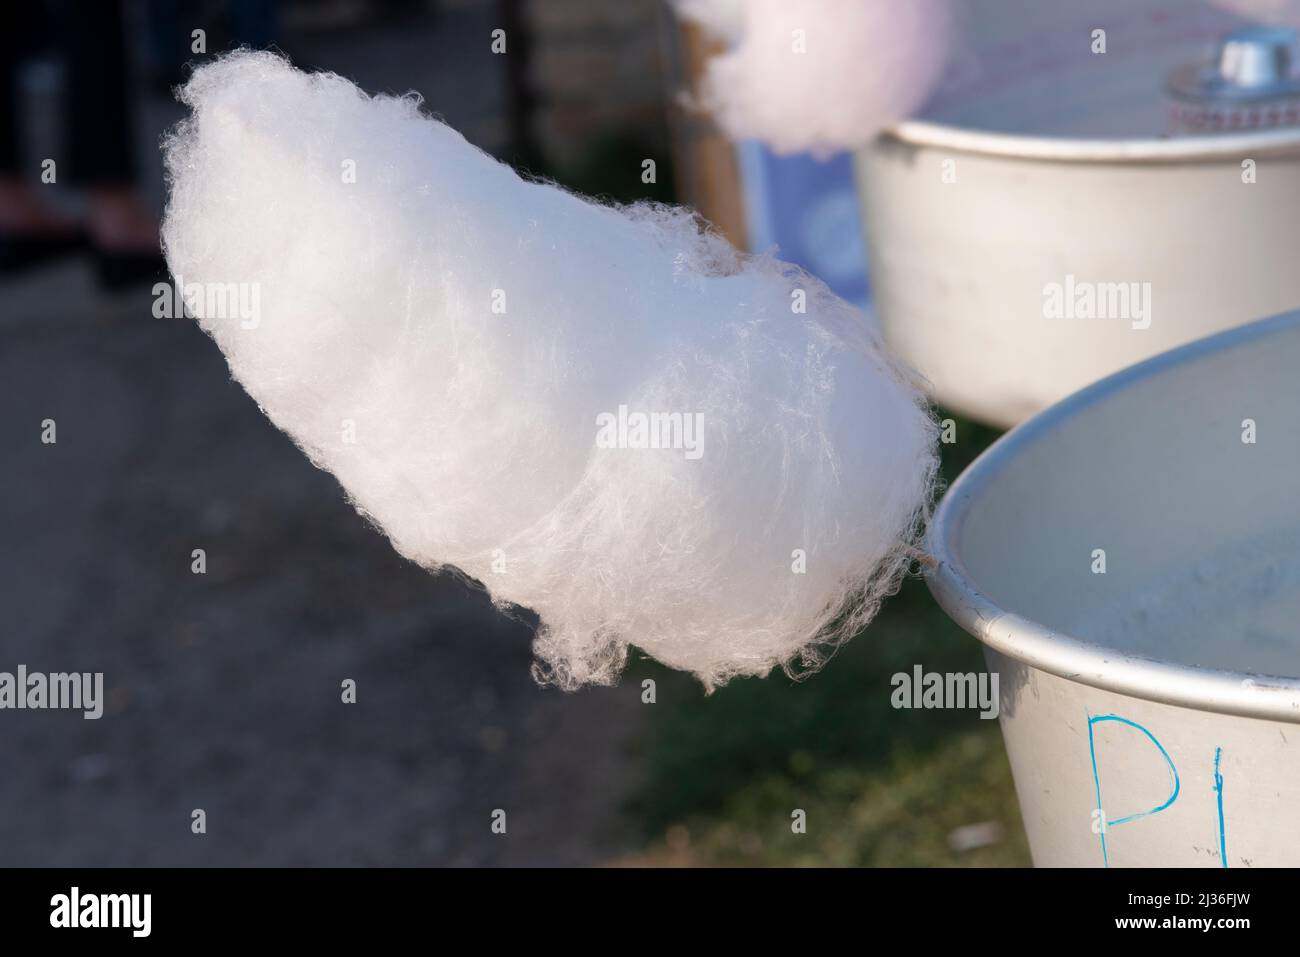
(1130,559)
(1090,187)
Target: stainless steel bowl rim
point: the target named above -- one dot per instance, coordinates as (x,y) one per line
(1233,146)
(1036,645)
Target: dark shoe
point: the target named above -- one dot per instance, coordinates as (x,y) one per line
(22,251)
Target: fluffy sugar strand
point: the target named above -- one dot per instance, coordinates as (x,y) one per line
(819,75)
(606,415)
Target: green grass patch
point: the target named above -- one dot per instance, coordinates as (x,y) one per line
(878,786)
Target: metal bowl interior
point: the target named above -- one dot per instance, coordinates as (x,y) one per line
(1143,535)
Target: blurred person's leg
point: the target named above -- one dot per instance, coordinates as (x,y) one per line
(10,153)
(31,231)
(100,134)
(169,25)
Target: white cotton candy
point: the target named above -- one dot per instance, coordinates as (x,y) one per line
(452,342)
(820,75)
